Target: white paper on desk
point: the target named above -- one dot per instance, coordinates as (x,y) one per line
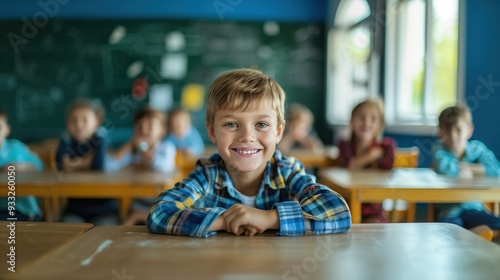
(173,66)
(416,175)
(161,97)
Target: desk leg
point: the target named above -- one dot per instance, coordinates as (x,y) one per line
(410,213)
(355,206)
(56,205)
(48,215)
(124,207)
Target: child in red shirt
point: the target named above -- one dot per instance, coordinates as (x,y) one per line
(366,149)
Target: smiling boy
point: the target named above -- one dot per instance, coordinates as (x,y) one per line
(248,186)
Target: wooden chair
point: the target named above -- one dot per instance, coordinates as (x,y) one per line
(46,151)
(404,158)
(483,231)
(185,163)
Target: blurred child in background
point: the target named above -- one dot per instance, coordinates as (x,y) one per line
(183,135)
(366,149)
(147,150)
(299,132)
(456,155)
(83,147)
(16,154)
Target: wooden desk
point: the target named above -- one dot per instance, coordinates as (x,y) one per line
(371,251)
(123,185)
(32,241)
(358,186)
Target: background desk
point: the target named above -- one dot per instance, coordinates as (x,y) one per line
(123,185)
(372,251)
(33,240)
(417,185)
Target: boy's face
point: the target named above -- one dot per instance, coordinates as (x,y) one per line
(4,129)
(82,124)
(149,129)
(455,138)
(366,123)
(246,140)
(180,124)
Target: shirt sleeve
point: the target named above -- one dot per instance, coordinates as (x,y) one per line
(388,146)
(487,158)
(346,152)
(27,156)
(100,152)
(316,209)
(444,162)
(172,213)
(111,164)
(61,151)
(164,157)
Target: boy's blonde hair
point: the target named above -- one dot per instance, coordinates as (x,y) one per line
(94,105)
(148,112)
(243,90)
(378,104)
(450,117)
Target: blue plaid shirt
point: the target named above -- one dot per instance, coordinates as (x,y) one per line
(304,206)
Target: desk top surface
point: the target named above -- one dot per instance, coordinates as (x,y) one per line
(32,240)
(421,178)
(122,177)
(369,251)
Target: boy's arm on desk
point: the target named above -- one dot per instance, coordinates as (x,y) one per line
(172,212)
(318,209)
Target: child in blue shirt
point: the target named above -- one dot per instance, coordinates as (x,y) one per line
(145,150)
(455,155)
(183,135)
(248,186)
(83,147)
(16,154)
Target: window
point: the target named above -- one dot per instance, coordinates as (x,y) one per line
(422,67)
(350,47)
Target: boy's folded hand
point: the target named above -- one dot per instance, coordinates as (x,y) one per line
(242,219)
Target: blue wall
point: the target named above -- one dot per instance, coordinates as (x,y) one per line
(247,10)
(482,75)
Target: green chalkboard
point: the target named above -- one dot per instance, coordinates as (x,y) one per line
(43,69)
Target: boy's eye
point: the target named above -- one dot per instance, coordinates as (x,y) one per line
(230,125)
(261,125)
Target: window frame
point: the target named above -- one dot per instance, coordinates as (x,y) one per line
(426,125)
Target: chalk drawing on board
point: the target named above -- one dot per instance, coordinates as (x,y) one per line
(117,34)
(271,28)
(175,41)
(161,97)
(33,104)
(8,82)
(174,66)
(29,68)
(305,33)
(77,36)
(77,76)
(135,69)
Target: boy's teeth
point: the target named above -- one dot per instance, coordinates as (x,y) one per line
(247,152)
